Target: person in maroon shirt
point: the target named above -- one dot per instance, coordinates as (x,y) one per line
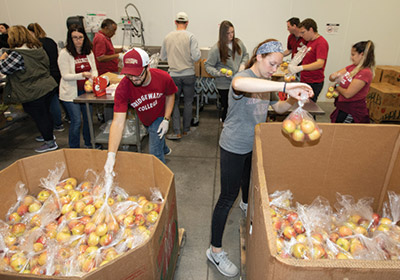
(353,85)
(106,55)
(314,62)
(294,41)
(151,92)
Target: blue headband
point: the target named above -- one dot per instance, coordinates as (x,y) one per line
(270,47)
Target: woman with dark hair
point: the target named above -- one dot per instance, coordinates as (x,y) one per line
(249,99)
(77,64)
(4,35)
(29,82)
(353,84)
(228,53)
(50,47)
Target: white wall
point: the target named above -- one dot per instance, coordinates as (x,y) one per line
(254,21)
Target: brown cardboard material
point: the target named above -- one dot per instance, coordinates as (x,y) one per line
(379,72)
(383,102)
(204,73)
(391,76)
(136,173)
(358,160)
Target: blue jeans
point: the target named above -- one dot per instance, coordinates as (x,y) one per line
(157,146)
(74,112)
(55,109)
(185,85)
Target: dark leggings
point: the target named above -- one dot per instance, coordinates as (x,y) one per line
(39,110)
(223,93)
(343,117)
(235,175)
(317,87)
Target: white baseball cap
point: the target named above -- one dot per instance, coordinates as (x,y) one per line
(182,16)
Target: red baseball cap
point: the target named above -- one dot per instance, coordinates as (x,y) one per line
(134,61)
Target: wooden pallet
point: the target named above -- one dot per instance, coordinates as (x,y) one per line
(243,249)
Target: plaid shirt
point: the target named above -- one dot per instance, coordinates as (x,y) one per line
(13,63)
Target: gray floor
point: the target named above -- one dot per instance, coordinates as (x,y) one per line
(195,162)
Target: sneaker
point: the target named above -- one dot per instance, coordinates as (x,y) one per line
(223,264)
(169,152)
(174,136)
(187,133)
(40,138)
(47,146)
(59,128)
(243,206)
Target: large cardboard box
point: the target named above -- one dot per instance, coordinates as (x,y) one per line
(136,173)
(358,160)
(391,75)
(379,71)
(383,102)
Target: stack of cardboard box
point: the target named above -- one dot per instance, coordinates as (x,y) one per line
(383,99)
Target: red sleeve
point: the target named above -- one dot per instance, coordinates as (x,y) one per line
(288,43)
(121,98)
(99,48)
(322,50)
(364,75)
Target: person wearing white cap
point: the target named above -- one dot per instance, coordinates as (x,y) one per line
(249,99)
(181,50)
(151,93)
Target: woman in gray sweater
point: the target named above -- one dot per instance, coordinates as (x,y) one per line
(229,55)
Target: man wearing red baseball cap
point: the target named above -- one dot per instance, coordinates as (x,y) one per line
(151,92)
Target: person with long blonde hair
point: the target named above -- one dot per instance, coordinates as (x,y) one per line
(353,85)
(29,82)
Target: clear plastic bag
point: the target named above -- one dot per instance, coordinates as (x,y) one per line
(300,126)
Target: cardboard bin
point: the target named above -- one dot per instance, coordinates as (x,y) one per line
(379,72)
(136,173)
(357,160)
(383,102)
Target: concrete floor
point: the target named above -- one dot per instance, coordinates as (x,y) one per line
(195,163)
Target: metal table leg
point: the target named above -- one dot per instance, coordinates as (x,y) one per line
(90,121)
(138,142)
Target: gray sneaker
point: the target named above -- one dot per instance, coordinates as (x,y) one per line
(169,152)
(47,146)
(59,128)
(174,136)
(243,206)
(223,264)
(40,138)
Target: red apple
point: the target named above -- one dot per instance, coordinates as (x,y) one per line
(105,239)
(315,135)
(298,227)
(89,228)
(43,195)
(18,229)
(14,217)
(345,231)
(296,118)
(22,209)
(298,135)
(288,126)
(299,251)
(307,126)
(376,218)
(289,232)
(318,252)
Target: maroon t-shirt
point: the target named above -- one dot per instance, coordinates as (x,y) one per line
(319,50)
(148,101)
(294,43)
(81,65)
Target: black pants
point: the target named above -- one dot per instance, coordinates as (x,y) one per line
(235,175)
(343,117)
(223,93)
(317,87)
(39,110)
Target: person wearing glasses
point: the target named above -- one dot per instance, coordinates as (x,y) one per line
(77,64)
(151,92)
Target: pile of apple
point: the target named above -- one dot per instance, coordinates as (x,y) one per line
(74,229)
(289,78)
(301,127)
(226,72)
(332,93)
(343,235)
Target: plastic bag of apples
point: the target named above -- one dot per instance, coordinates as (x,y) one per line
(300,126)
(70,229)
(354,231)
